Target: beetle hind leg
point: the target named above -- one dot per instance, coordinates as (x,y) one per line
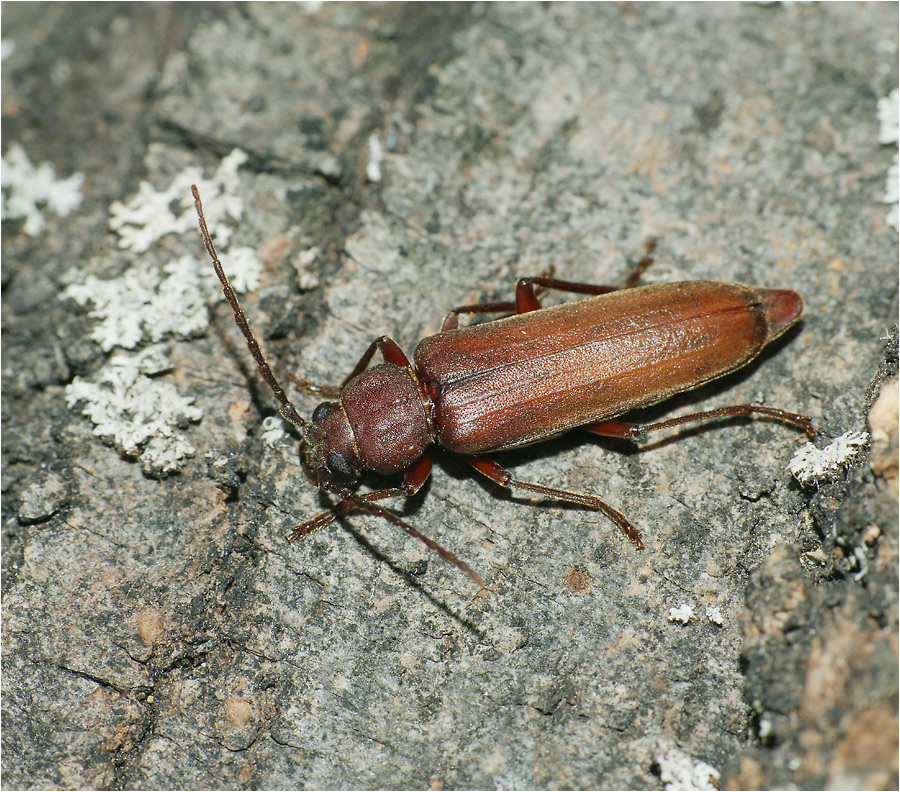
(496,473)
(624,429)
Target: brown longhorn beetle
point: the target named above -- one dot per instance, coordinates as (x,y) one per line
(525,378)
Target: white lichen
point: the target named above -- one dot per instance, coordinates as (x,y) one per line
(244,271)
(140,416)
(376,155)
(146,303)
(889,118)
(307,275)
(678,771)
(889,134)
(148,215)
(862,562)
(27,188)
(683,613)
(149,304)
(810,464)
(273,431)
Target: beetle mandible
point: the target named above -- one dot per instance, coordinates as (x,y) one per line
(524,378)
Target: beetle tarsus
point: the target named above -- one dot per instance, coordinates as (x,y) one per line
(315,388)
(803,422)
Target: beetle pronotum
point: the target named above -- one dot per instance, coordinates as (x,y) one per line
(524,378)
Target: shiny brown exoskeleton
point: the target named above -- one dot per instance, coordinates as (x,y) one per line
(525,378)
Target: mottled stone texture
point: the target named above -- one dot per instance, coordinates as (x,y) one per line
(158,632)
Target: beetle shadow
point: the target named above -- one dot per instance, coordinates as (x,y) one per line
(409,506)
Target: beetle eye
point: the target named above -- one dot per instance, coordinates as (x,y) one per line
(321,410)
(340,467)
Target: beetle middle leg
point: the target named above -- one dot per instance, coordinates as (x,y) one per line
(526,299)
(496,473)
(527,295)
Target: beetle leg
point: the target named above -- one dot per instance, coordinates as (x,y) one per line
(641,267)
(527,296)
(413,479)
(451,318)
(390,351)
(496,473)
(314,388)
(628,430)
(377,511)
(325,518)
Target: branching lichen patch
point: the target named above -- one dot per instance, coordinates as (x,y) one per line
(810,464)
(148,215)
(26,188)
(145,304)
(142,417)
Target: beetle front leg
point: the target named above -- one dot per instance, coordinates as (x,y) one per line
(413,479)
(624,429)
(496,473)
(315,388)
(390,351)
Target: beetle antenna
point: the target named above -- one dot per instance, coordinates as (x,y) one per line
(288,411)
(377,511)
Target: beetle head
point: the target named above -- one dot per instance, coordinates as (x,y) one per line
(329,449)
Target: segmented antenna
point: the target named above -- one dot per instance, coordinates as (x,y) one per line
(288,411)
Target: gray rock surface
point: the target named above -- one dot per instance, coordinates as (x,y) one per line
(157,630)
